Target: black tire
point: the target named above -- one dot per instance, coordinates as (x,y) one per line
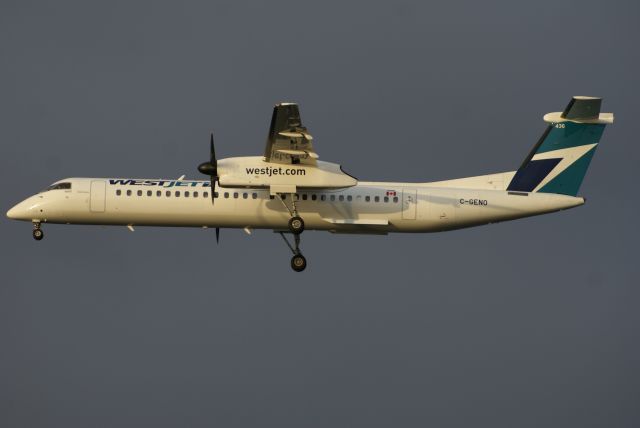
(296,225)
(298,263)
(38,234)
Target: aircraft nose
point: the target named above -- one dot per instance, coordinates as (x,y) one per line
(19,212)
(13,213)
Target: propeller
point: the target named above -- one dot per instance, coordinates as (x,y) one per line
(211,169)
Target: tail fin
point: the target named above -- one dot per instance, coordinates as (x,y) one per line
(559,161)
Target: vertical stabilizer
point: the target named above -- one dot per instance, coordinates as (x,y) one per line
(559,160)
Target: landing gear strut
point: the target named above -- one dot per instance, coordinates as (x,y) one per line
(38,234)
(298,262)
(296,227)
(296,224)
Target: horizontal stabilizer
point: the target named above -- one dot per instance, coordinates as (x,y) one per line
(582,108)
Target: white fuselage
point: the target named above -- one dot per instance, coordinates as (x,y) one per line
(367,207)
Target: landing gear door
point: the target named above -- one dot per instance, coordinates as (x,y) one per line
(98,195)
(409,203)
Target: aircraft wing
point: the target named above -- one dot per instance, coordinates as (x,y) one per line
(288,141)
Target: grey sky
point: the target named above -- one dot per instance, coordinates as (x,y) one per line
(523,324)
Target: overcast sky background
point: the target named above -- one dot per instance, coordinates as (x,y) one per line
(523,324)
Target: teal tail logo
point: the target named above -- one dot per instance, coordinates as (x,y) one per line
(559,161)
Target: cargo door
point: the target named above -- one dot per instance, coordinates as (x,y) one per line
(98,195)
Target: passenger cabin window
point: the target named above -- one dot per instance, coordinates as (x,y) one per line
(226,195)
(186,194)
(245,195)
(367,198)
(149,193)
(159,193)
(195,194)
(377,199)
(341,197)
(304,197)
(395,199)
(206,194)
(314,197)
(349,198)
(235,195)
(128,192)
(254,195)
(333,197)
(386,199)
(177,193)
(168,193)
(118,192)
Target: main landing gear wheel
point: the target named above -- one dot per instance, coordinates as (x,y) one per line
(296,225)
(298,263)
(38,234)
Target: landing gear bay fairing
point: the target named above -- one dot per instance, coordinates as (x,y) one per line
(289,190)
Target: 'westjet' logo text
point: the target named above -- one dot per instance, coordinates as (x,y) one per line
(159,183)
(269,171)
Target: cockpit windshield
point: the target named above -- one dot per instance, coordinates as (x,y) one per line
(57,186)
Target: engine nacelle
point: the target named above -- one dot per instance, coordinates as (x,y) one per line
(255,172)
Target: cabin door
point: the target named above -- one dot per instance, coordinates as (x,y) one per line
(409,204)
(98,195)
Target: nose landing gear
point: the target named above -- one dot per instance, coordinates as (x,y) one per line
(38,234)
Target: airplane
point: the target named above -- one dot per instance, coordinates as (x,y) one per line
(290,190)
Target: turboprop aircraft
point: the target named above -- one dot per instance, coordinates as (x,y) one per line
(290,190)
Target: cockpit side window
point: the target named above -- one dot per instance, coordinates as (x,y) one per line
(58,186)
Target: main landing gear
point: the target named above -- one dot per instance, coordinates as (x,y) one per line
(298,262)
(38,234)
(296,227)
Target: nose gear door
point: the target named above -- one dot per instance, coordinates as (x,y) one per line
(98,195)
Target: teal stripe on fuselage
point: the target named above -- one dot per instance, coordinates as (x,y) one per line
(569,134)
(568,181)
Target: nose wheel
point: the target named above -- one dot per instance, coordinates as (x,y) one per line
(38,234)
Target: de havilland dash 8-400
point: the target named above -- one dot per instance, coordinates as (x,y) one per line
(290,190)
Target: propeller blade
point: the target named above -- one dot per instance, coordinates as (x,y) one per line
(217,235)
(211,169)
(213,159)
